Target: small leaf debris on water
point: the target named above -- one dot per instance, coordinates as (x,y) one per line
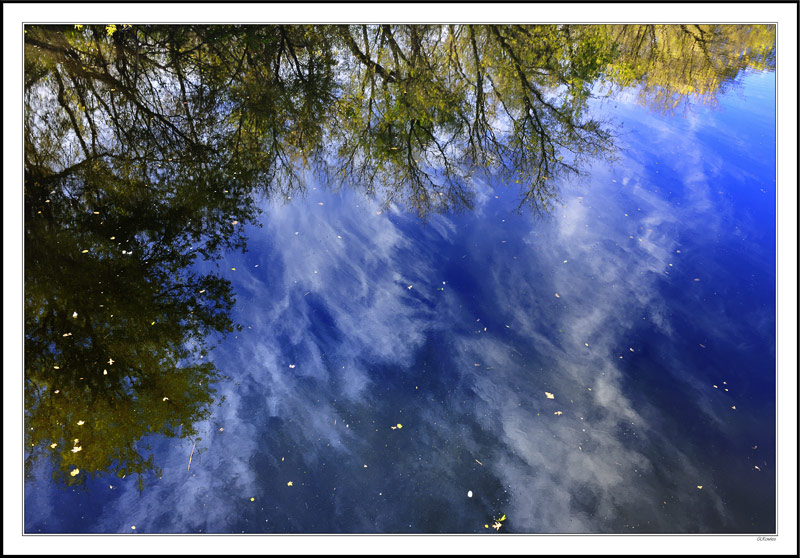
(469,494)
(291,366)
(558,413)
(290,483)
(699,487)
(557,295)
(549,395)
(74,314)
(81,423)
(74,472)
(252,499)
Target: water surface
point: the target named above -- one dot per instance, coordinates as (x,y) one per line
(594,354)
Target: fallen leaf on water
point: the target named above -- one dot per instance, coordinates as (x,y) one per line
(757,467)
(290,483)
(81,423)
(56,367)
(734,407)
(557,296)
(496,525)
(479,463)
(234,222)
(76,449)
(84,251)
(549,395)
(502,518)
(399,425)
(558,413)
(252,499)
(74,472)
(111,361)
(53,445)
(469,494)
(291,366)
(74,314)
(165,399)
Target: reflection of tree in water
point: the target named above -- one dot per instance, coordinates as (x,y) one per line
(146,146)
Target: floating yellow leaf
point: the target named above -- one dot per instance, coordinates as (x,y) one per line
(549,395)
(496,525)
(74,314)
(84,251)
(502,518)
(81,423)
(290,483)
(74,472)
(699,486)
(558,413)
(76,449)
(399,425)
(53,445)
(252,499)
(557,295)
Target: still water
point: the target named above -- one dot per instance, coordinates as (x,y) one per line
(593,354)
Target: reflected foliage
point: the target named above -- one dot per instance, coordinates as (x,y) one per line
(148,147)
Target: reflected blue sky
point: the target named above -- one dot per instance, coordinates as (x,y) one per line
(644,304)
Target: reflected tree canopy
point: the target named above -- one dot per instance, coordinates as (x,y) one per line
(148,147)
